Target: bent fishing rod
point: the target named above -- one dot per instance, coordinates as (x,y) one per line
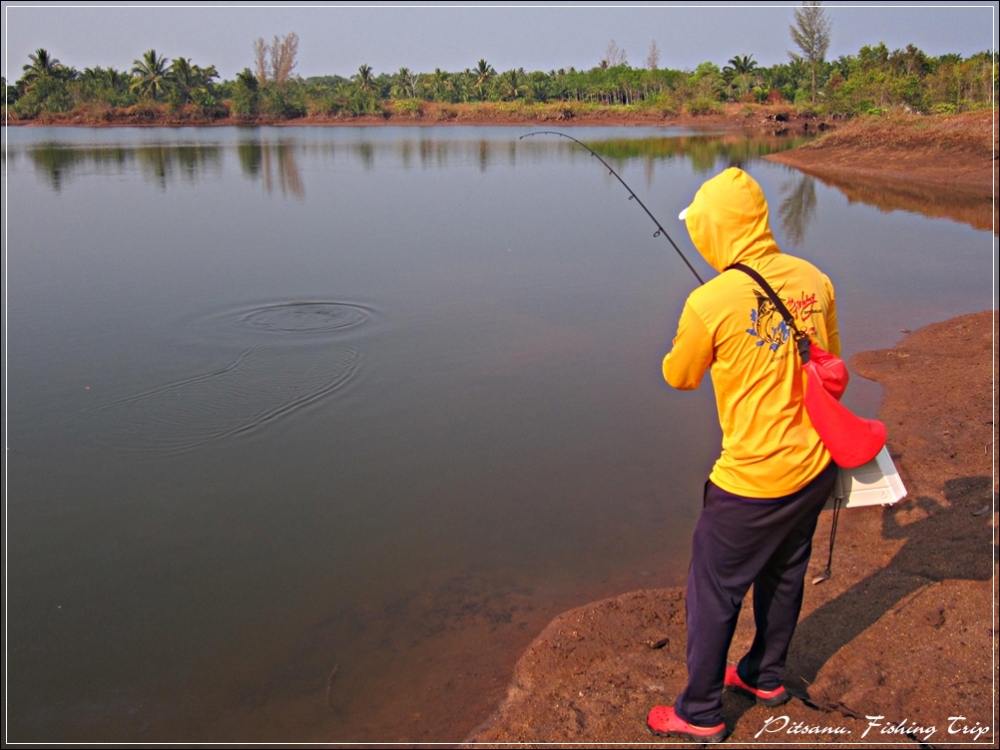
(631,194)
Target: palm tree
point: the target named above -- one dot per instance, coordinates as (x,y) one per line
(184,78)
(742,64)
(483,73)
(404,86)
(93,75)
(363,79)
(539,86)
(202,93)
(151,75)
(205,75)
(245,93)
(740,72)
(117,80)
(107,78)
(511,84)
(42,65)
(247,79)
(440,84)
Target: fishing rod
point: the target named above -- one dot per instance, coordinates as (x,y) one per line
(631,194)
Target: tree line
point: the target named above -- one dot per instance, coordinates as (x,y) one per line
(873,80)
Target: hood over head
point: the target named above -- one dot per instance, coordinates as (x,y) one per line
(728,220)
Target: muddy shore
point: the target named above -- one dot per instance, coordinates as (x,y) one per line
(755,119)
(904,630)
(941,166)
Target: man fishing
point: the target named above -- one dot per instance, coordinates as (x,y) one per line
(774,475)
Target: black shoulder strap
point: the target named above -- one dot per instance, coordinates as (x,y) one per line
(801,340)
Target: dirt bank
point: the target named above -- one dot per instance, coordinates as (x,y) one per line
(768,119)
(904,629)
(936,165)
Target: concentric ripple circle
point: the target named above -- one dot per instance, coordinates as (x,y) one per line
(305,317)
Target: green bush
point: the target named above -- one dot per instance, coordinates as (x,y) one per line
(944,108)
(325,104)
(47,95)
(362,103)
(665,103)
(206,105)
(245,99)
(970,105)
(703,105)
(412,108)
(27,108)
(271,102)
(802,98)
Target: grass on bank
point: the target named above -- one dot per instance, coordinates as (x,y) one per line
(966,133)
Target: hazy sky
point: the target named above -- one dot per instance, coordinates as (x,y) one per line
(337,39)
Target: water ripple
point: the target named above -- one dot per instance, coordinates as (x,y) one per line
(257,388)
(295,358)
(305,317)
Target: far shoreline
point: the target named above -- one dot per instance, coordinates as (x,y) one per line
(939,165)
(761,119)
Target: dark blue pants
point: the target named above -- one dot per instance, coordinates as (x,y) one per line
(738,542)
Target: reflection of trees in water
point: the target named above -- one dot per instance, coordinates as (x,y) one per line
(426,151)
(367,154)
(797,207)
(273,162)
(250,156)
(55,162)
(705,152)
(484,155)
(160,164)
(282,155)
(275,159)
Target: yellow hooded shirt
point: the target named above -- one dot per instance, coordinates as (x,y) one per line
(730,327)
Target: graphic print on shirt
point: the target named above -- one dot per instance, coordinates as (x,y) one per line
(767,324)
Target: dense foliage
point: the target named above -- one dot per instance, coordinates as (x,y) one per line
(873,80)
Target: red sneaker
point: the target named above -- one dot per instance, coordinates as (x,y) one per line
(774,697)
(662,721)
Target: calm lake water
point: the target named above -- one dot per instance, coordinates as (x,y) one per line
(312,430)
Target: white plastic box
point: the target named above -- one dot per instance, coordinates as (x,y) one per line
(874,483)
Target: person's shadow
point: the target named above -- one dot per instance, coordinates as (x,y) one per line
(950,542)
(953,541)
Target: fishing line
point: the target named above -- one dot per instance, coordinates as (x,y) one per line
(631,194)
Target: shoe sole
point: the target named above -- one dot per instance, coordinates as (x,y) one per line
(778,700)
(709,739)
